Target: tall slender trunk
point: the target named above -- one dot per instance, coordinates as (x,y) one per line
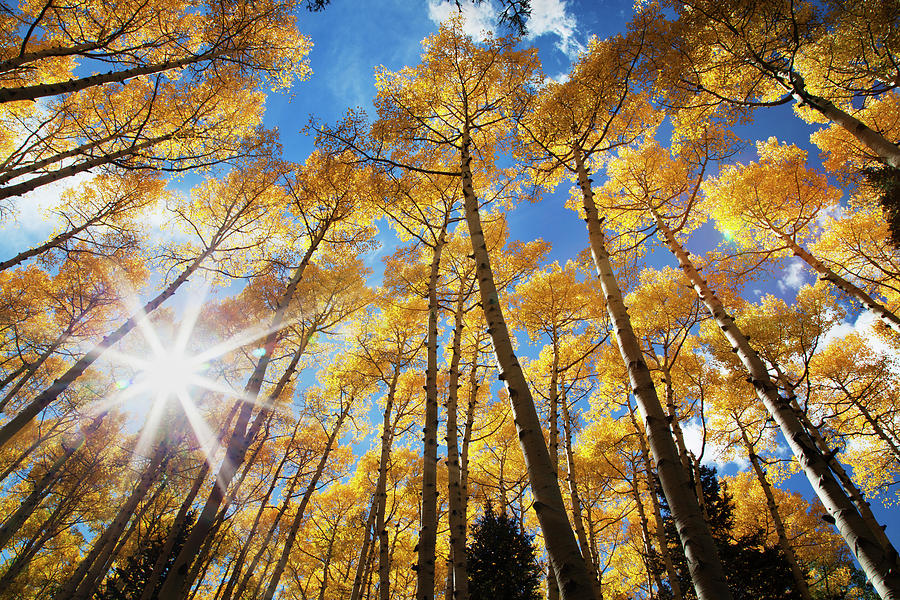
(288,543)
(8,174)
(687,461)
(576,500)
(326,565)
(387,438)
(652,572)
(253,568)
(26,414)
(362,565)
(772,506)
(245,546)
(45,484)
(850,488)
(177,579)
(45,532)
(32,368)
(889,318)
(425,563)
(180,518)
(43,90)
(457,572)
(867,136)
(53,242)
(886,437)
(20,189)
(565,556)
(661,540)
(881,567)
(553,447)
(73,588)
(699,548)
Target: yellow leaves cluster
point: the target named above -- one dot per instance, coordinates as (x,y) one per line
(759,204)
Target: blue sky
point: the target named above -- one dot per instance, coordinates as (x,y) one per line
(352,38)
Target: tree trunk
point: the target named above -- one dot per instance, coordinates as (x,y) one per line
(661,540)
(245,546)
(868,137)
(45,484)
(699,547)
(73,590)
(176,581)
(362,565)
(772,506)
(457,573)
(178,523)
(425,582)
(881,567)
(553,448)
(288,543)
(32,368)
(20,189)
(565,556)
(576,501)
(43,90)
(387,438)
(853,492)
(888,317)
(25,415)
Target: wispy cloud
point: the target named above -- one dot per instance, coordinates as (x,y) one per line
(548,17)
(794,276)
(713,454)
(33,217)
(552,17)
(477,18)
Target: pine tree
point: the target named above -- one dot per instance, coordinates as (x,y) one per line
(502,561)
(129,578)
(753,570)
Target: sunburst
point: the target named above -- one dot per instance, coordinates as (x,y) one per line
(171,372)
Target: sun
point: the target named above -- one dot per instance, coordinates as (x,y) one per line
(171,377)
(171,374)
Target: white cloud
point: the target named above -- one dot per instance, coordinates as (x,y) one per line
(794,276)
(864,326)
(713,454)
(477,18)
(548,17)
(33,220)
(551,17)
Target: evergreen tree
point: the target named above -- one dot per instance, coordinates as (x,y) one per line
(753,570)
(502,561)
(128,580)
(885,181)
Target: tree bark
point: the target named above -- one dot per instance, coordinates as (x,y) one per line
(45,484)
(881,567)
(25,415)
(772,506)
(576,501)
(661,539)
(699,548)
(457,572)
(240,441)
(889,318)
(20,189)
(42,90)
(288,543)
(245,546)
(565,556)
(426,558)
(73,590)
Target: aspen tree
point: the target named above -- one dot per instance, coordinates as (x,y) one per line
(459,100)
(662,193)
